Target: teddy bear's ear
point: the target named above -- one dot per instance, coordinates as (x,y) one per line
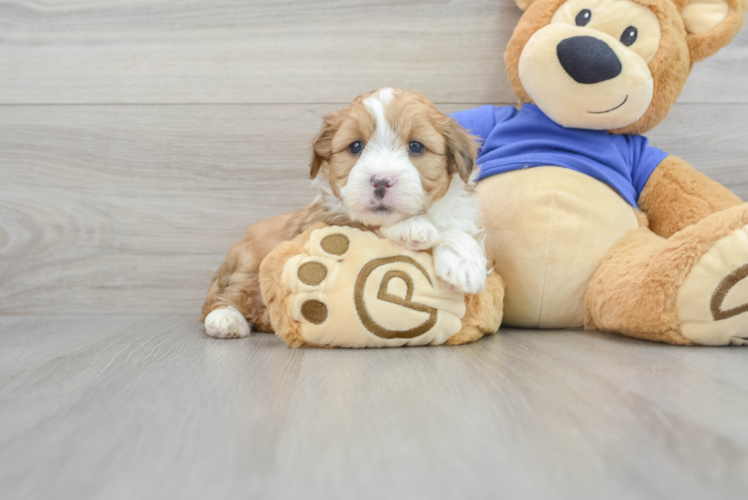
(524,4)
(712,24)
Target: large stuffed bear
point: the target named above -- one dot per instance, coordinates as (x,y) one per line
(587,224)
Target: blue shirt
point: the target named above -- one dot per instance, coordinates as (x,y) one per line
(514,139)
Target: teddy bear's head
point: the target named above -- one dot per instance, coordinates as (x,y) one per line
(615,65)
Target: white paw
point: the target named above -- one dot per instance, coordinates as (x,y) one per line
(226,323)
(460,261)
(416,233)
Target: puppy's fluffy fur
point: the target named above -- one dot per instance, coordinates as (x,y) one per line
(393,164)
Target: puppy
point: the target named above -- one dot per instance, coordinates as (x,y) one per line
(395,165)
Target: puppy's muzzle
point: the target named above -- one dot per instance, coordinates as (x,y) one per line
(588,60)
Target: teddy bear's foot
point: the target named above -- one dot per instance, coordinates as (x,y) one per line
(689,289)
(713,300)
(341,287)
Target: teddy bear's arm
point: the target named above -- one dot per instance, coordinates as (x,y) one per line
(677,196)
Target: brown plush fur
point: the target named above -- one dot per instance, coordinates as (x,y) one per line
(707,44)
(677,196)
(635,289)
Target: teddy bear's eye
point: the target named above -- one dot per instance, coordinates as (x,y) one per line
(629,36)
(583,18)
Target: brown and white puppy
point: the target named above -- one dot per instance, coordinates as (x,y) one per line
(394,164)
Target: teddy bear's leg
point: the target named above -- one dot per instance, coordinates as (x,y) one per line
(688,289)
(484,312)
(677,196)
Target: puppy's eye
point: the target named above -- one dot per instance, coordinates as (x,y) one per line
(629,36)
(584,17)
(416,148)
(355,148)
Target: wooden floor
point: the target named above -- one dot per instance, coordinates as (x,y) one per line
(139,139)
(145,407)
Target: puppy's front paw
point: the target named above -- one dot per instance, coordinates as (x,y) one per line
(416,233)
(226,323)
(460,261)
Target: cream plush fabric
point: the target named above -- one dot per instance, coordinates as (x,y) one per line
(548,229)
(349,288)
(715,289)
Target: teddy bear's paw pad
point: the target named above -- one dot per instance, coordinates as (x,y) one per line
(335,244)
(354,289)
(226,323)
(713,300)
(312,272)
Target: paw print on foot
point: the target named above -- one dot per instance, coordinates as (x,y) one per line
(313,273)
(353,289)
(713,300)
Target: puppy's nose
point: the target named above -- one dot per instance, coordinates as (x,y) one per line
(588,60)
(381,185)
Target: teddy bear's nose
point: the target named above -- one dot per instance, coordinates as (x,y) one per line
(588,60)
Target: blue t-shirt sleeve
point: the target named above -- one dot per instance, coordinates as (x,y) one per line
(482,120)
(479,121)
(643,159)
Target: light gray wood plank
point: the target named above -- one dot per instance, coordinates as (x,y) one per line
(115,209)
(268,51)
(148,407)
(134,207)
(27,342)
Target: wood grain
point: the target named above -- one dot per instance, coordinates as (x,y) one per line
(148,407)
(115,209)
(139,139)
(269,51)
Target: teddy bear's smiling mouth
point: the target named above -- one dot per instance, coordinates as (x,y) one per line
(603,112)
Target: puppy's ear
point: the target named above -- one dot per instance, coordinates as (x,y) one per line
(711,24)
(461,150)
(322,144)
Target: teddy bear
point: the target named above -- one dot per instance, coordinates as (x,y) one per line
(587,224)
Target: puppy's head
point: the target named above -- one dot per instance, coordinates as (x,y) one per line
(390,154)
